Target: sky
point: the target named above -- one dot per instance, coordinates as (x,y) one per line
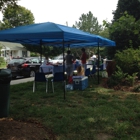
(67,12)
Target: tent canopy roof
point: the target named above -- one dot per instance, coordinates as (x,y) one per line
(52,34)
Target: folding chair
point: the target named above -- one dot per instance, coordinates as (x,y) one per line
(40,77)
(58,76)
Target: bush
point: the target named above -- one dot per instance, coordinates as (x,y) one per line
(117,77)
(121,78)
(2,62)
(128,60)
(130,79)
(137,88)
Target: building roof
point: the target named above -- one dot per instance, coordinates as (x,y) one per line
(12,46)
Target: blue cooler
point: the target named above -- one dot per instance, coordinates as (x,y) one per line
(80,83)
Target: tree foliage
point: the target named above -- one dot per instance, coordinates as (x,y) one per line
(131,6)
(88,23)
(128,60)
(5,3)
(16,16)
(19,16)
(127,67)
(125,28)
(105,32)
(125,32)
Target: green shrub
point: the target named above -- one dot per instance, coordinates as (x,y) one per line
(136,88)
(128,60)
(121,78)
(2,62)
(130,79)
(117,78)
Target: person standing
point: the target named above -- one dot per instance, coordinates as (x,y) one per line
(69,66)
(83,58)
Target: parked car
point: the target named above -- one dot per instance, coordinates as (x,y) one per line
(57,60)
(24,66)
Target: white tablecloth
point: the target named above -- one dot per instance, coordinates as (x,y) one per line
(58,68)
(53,68)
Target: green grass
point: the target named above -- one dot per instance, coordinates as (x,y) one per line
(91,114)
(2,65)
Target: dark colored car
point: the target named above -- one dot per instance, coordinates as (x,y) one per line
(24,66)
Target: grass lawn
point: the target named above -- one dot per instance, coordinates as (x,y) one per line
(92,114)
(2,65)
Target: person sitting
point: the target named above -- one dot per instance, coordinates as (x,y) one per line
(80,71)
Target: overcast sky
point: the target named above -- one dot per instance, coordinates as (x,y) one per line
(62,11)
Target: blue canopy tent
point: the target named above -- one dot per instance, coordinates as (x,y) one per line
(102,43)
(44,33)
(52,34)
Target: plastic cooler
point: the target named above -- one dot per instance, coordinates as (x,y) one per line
(80,83)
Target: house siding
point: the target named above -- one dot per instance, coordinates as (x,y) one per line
(10,50)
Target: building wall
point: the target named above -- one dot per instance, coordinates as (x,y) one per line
(9,54)
(10,50)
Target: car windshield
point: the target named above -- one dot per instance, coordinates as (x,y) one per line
(17,61)
(34,60)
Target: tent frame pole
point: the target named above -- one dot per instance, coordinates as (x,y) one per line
(98,62)
(41,50)
(64,70)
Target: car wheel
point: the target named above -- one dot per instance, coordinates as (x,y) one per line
(32,73)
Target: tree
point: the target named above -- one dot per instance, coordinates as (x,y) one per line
(125,32)
(16,16)
(19,16)
(128,60)
(105,31)
(88,23)
(125,26)
(131,6)
(5,3)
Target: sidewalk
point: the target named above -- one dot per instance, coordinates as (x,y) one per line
(19,81)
